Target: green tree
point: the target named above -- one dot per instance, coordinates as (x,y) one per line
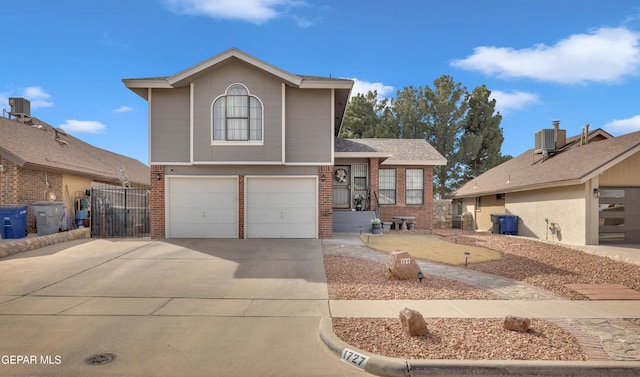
(482,137)
(361,117)
(409,113)
(445,108)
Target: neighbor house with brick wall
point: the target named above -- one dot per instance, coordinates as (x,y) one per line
(242,149)
(39,162)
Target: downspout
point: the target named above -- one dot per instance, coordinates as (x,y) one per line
(46,185)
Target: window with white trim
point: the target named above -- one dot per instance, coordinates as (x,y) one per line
(414,186)
(387,186)
(237,116)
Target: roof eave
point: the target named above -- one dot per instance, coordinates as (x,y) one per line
(326,84)
(363,155)
(416,162)
(505,190)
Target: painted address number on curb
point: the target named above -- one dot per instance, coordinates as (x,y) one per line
(354,358)
(405,260)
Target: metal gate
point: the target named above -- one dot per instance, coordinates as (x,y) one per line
(119,212)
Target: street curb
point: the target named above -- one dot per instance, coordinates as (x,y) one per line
(392,367)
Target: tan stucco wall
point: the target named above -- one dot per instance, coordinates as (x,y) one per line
(623,174)
(70,185)
(488,205)
(564,206)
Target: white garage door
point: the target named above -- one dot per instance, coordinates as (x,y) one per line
(281,207)
(202,207)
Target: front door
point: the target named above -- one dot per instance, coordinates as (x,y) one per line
(342,186)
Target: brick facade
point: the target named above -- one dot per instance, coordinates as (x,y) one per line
(157,202)
(424,212)
(241,207)
(373,182)
(325,201)
(24,186)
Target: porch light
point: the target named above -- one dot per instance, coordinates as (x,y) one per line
(596,193)
(323,178)
(158,177)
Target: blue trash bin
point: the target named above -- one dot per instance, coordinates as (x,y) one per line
(14,220)
(509,224)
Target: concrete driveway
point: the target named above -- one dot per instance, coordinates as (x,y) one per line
(166,308)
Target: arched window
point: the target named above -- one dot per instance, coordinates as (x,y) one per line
(237,115)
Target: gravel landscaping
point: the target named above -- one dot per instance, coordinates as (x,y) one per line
(460,339)
(544,265)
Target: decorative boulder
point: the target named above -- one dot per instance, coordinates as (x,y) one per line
(401,266)
(519,324)
(413,323)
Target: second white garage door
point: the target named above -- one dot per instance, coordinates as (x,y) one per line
(283,207)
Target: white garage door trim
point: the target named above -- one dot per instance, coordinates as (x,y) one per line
(281,207)
(201,206)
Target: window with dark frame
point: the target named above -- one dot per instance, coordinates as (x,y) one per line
(414,186)
(387,186)
(237,116)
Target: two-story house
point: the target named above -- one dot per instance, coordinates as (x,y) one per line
(242,149)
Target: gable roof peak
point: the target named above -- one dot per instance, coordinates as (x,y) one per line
(183,77)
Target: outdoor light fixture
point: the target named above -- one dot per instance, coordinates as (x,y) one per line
(596,193)
(466,258)
(323,178)
(158,177)
(420,276)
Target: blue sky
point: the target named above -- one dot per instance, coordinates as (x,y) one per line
(577,61)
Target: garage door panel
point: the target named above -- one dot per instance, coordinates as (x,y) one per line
(281,207)
(202,207)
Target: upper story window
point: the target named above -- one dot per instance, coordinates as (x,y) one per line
(237,116)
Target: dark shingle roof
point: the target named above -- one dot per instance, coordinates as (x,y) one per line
(34,144)
(398,151)
(573,165)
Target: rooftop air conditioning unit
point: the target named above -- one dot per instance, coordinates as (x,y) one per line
(20,107)
(545,141)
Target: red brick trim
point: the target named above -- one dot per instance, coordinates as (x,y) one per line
(157,203)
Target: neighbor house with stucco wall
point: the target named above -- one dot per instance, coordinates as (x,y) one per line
(582,190)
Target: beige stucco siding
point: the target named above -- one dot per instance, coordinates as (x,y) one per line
(308,125)
(169,134)
(623,174)
(488,205)
(266,87)
(564,206)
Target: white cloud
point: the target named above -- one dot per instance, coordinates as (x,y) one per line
(604,55)
(83,126)
(256,11)
(123,109)
(364,87)
(37,96)
(506,102)
(623,126)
